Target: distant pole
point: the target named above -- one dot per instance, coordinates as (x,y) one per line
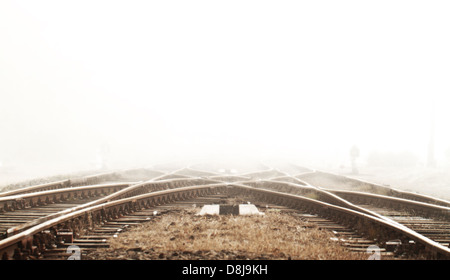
(354,153)
(431,161)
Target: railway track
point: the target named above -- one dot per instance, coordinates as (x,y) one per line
(432,221)
(345,235)
(100,236)
(328,180)
(420,229)
(68,183)
(373,226)
(24,211)
(19,212)
(425,215)
(140,174)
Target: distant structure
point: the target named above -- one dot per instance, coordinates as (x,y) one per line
(354,153)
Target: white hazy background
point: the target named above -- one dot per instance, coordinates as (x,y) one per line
(161,81)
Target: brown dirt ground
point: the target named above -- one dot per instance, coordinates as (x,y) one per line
(180,234)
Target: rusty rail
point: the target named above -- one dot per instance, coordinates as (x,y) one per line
(411,206)
(81,181)
(152,185)
(47,197)
(36,239)
(376,188)
(15,202)
(43,234)
(310,192)
(72,182)
(289,179)
(123,192)
(36,188)
(229,178)
(410,195)
(374,227)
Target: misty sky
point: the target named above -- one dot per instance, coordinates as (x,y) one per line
(161,80)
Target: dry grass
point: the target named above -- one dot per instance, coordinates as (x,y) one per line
(273,236)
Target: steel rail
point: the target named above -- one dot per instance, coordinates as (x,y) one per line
(85,180)
(35,239)
(77,181)
(53,196)
(36,188)
(414,206)
(15,202)
(152,185)
(383,229)
(172,176)
(308,190)
(322,195)
(30,242)
(127,191)
(289,179)
(376,188)
(229,178)
(268,173)
(410,195)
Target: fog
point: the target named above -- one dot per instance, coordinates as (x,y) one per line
(93,84)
